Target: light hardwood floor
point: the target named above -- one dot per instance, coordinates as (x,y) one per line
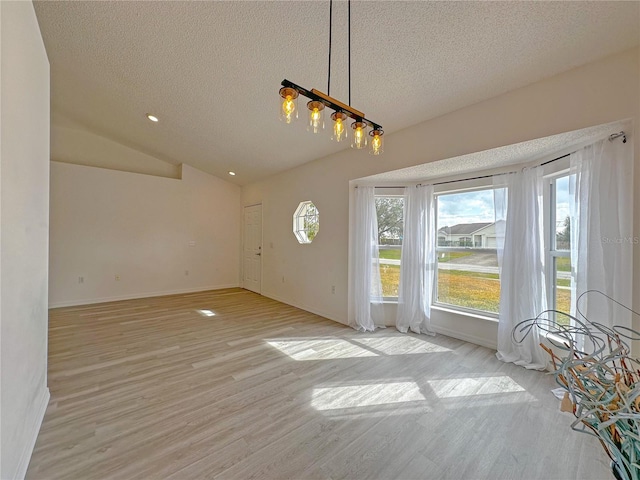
(229,384)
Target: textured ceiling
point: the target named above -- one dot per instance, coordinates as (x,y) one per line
(525,153)
(211,70)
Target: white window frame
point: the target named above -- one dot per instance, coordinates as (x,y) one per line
(553,172)
(447,189)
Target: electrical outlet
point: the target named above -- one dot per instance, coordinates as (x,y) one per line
(117,278)
(333,289)
(80,279)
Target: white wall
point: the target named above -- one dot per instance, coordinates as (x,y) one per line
(146,230)
(72,144)
(597,93)
(24,220)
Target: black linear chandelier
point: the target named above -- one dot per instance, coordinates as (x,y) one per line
(318,101)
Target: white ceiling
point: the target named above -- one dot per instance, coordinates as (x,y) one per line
(211,70)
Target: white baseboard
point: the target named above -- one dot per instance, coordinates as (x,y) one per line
(303,307)
(463,336)
(442,330)
(25,456)
(133,296)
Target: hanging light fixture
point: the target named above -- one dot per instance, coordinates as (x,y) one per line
(318,101)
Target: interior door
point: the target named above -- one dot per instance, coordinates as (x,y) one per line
(252,249)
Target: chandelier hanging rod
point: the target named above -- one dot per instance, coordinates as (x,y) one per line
(332,103)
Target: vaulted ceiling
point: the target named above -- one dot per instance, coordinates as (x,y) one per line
(211,70)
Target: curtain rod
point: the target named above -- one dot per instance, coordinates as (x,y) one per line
(612,137)
(496,174)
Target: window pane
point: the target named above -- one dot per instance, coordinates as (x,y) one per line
(562,283)
(467,259)
(563,227)
(560,261)
(390,212)
(311,223)
(469,281)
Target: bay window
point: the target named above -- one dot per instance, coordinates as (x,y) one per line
(466,242)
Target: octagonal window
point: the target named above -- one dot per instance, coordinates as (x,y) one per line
(306,222)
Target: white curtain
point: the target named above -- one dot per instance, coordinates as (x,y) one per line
(601,234)
(368,289)
(521,264)
(417,261)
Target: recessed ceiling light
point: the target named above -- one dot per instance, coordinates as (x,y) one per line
(233,174)
(153,118)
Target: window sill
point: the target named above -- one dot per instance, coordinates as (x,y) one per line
(465,313)
(455,311)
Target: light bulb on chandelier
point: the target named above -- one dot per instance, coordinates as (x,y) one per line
(339,128)
(288,107)
(316,116)
(377,143)
(359,137)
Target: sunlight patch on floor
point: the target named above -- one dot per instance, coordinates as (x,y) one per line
(356,396)
(332,348)
(400,345)
(465,387)
(496,400)
(320,349)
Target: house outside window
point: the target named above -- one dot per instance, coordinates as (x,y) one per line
(477,235)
